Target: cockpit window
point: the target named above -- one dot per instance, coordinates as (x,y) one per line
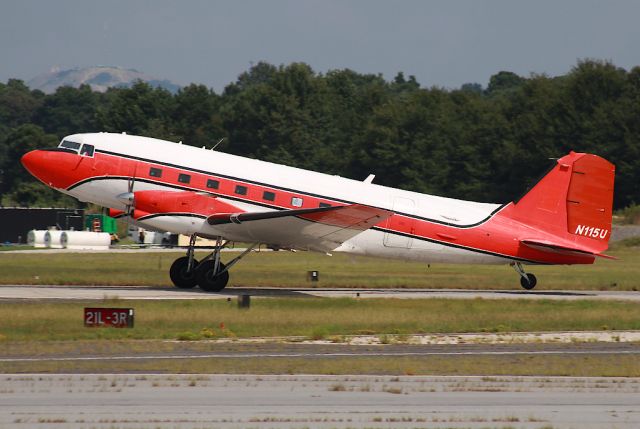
(87,150)
(70,145)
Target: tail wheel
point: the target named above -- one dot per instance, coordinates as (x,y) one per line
(207,280)
(529,282)
(180,277)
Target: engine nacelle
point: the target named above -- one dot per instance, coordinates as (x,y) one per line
(153,202)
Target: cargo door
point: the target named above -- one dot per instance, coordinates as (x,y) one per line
(400,227)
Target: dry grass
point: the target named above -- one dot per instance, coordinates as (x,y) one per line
(519,365)
(285,269)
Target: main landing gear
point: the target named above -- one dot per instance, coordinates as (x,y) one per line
(210,273)
(527,280)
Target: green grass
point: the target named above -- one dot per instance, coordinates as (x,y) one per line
(286,269)
(4,247)
(313,318)
(519,365)
(56,328)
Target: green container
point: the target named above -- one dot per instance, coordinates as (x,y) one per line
(100,222)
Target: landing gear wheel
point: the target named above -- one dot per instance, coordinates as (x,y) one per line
(207,281)
(528,283)
(180,277)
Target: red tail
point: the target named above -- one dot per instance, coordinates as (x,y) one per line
(573,201)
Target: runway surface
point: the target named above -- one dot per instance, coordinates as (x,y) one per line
(81,292)
(231,401)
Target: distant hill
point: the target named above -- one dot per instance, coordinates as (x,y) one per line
(100,78)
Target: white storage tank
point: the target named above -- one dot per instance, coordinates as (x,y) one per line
(85,240)
(35,238)
(52,239)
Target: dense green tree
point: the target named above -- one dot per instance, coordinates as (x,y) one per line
(69,111)
(195,117)
(133,110)
(18,187)
(504,81)
(18,104)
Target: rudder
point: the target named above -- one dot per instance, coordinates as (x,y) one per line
(590,198)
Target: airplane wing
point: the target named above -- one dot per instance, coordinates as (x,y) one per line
(322,229)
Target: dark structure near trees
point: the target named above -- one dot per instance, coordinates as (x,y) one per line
(16,222)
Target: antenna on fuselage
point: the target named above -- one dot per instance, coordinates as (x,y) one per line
(219,141)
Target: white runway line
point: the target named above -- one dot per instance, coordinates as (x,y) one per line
(329,355)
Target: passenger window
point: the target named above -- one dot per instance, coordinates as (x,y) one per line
(184,178)
(241,190)
(296,202)
(213,184)
(70,145)
(87,150)
(324,205)
(269,196)
(155,172)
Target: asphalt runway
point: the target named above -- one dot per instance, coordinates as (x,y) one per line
(87,292)
(232,401)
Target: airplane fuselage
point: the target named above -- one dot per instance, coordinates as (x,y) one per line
(422,228)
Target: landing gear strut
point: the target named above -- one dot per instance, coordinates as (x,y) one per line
(210,273)
(527,280)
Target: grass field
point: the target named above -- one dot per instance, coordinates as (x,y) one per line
(286,269)
(313,318)
(30,329)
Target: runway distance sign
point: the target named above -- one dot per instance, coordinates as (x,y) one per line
(108,317)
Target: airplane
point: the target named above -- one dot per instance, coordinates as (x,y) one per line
(565,218)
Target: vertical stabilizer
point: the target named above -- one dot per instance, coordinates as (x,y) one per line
(573,201)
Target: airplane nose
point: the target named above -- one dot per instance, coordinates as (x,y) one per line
(36,163)
(31,161)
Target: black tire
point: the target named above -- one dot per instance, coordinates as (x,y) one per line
(179,275)
(207,281)
(528,283)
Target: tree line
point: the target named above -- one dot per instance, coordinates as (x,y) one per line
(475,143)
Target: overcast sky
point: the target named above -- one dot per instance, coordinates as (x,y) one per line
(444,43)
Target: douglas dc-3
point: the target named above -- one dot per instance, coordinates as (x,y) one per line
(563,219)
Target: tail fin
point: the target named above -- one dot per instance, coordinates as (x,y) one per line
(573,201)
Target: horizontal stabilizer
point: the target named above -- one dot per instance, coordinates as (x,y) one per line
(547,246)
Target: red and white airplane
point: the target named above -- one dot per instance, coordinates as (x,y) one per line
(564,219)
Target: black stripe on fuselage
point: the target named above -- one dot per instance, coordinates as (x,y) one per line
(281,188)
